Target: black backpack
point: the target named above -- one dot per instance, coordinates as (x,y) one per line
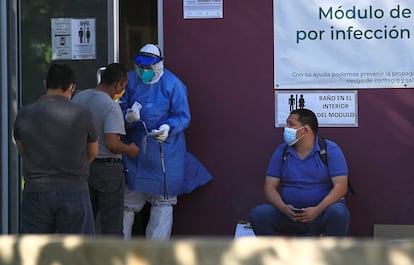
(323,154)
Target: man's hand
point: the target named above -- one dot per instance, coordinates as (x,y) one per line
(133,150)
(292,212)
(307,215)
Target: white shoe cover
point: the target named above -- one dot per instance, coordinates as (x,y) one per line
(129,217)
(160,222)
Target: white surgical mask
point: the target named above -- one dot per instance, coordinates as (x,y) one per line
(289,135)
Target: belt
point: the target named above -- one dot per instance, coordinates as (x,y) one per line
(108,160)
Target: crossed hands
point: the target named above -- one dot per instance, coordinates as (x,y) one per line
(301,215)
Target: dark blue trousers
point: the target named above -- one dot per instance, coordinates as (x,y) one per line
(267,220)
(57,212)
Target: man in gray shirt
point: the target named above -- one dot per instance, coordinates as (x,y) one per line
(57,140)
(107,180)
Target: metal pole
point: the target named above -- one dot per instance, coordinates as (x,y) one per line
(4,118)
(163,170)
(113,31)
(160,22)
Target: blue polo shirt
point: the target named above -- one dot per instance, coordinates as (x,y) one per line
(305,182)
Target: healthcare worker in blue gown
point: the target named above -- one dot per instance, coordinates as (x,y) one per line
(156,111)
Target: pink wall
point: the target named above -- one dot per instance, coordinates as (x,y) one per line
(227,65)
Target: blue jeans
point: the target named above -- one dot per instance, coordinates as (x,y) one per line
(106,186)
(57,212)
(267,220)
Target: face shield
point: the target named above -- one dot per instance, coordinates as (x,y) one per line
(149,64)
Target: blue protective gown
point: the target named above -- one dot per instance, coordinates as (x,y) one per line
(164,102)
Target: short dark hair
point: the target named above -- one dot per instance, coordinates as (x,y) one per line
(113,73)
(59,76)
(307,117)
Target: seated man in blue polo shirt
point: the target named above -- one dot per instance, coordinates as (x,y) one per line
(305,195)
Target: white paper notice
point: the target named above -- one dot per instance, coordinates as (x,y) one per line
(203,8)
(73,39)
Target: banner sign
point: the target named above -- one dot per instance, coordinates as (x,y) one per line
(336,44)
(333,109)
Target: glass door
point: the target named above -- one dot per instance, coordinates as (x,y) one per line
(87,40)
(120,29)
(37,40)
(139,23)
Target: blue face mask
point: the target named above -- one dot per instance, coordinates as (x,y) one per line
(289,135)
(146,75)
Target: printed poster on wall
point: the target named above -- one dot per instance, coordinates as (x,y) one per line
(73,39)
(333,108)
(347,44)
